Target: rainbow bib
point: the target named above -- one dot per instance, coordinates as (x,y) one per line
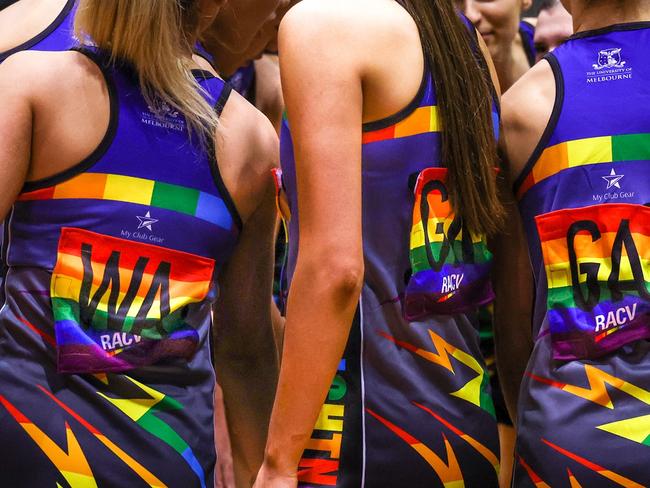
(120,305)
(450,267)
(597,262)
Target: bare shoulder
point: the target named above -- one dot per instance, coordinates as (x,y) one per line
(36,73)
(526,109)
(337,22)
(344,12)
(247,150)
(245,127)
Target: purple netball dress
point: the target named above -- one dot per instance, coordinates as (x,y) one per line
(410,404)
(584,412)
(105,359)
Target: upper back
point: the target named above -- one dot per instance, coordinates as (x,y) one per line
(585,191)
(143,170)
(601,80)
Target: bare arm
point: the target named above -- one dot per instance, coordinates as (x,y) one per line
(526,109)
(324,101)
(15,132)
(246,356)
(514,301)
(512,283)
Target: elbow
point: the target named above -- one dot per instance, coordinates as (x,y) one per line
(346,277)
(341,278)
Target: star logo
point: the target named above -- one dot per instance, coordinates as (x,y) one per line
(613,179)
(146,221)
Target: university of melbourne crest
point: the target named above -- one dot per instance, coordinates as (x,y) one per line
(609,58)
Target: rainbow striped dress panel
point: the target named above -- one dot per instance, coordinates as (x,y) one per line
(584,198)
(410,404)
(106,376)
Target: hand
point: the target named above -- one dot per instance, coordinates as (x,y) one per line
(267,478)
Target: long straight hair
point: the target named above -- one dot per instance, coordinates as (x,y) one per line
(465,97)
(155,37)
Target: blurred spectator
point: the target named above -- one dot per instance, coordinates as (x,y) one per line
(554,26)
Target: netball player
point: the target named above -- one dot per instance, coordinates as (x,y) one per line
(582,162)
(375,155)
(131,208)
(509,40)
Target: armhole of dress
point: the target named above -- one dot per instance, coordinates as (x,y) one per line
(406,111)
(104,144)
(214,164)
(202,74)
(56,23)
(4,257)
(223,98)
(550,126)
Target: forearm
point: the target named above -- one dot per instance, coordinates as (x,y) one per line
(513,345)
(320,312)
(513,311)
(249,388)
(248,384)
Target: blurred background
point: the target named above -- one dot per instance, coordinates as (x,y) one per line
(532,12)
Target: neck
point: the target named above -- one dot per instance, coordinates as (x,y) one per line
(604,13)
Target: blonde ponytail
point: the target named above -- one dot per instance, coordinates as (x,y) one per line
(155,37)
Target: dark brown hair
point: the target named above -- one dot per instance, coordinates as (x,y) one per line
(465,97)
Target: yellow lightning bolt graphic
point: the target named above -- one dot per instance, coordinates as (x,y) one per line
(471,391)
(597,390)
(135,408)
(636,429)
(143,412)
(72,465)
(143,472)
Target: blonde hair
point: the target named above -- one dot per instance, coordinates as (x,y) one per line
(155,37)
